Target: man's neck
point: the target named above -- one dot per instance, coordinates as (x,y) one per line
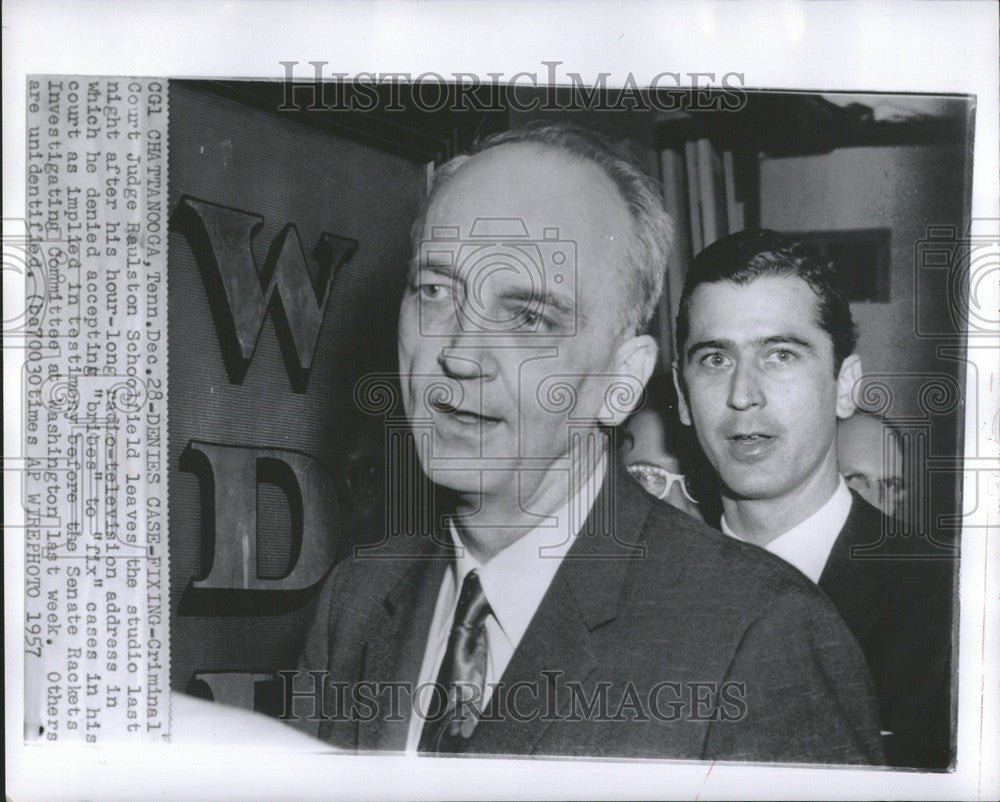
(487,523)
(760,521)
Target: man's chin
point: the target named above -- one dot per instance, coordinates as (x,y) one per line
(460,481)
(750,488)
(462,474)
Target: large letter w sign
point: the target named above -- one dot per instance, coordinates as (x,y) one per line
(241,296)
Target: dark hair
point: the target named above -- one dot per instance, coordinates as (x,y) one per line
(652,227)
(748,255)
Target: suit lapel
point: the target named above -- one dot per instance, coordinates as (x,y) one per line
(850,582)
(558,646)
(396,637)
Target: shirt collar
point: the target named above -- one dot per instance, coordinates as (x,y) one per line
(808,544)
(515,579)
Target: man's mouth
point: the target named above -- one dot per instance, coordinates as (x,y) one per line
(750,445)
(464,416)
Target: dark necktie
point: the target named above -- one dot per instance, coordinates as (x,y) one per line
(462,670)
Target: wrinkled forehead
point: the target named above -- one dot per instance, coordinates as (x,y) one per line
(522,190)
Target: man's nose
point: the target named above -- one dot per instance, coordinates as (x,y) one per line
(745,389)
(468,357)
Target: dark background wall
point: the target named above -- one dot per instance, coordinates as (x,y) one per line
(905,189)
(908,190)
(272,164)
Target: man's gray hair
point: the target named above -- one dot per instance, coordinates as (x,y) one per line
(652,227)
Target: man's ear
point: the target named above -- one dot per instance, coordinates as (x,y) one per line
(850,374)
(634,362)
(682,405)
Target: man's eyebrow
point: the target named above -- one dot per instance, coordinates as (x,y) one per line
(526,296)
(702,345)
(783,339)
(730,345)
(440,267)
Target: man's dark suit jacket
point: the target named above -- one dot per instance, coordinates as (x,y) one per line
(694,607)
(898,604)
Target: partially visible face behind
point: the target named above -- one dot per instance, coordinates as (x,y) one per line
(760,387)
(650,446)
(871,462)
(509,334)
(649,441)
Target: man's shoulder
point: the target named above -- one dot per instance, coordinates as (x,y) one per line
(370,576)
(885,578)
(919,535)
(871,543)
(690,551)
(377,564)
(705,597)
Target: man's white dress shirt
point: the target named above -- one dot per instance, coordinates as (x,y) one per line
(514,582)
(807,546)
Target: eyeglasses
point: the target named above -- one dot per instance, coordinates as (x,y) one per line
(657,480)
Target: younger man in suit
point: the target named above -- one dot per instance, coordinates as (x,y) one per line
(766,368)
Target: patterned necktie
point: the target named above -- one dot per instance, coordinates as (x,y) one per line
(462,671)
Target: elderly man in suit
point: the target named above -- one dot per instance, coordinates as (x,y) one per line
(766,367)
(559,609)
